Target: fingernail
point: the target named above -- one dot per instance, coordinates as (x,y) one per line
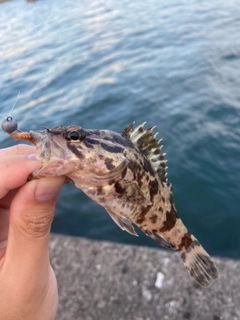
(48,188)
(32,156)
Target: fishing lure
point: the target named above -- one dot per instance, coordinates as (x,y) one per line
(9,125)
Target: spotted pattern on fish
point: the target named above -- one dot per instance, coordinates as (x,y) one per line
(76,150)
(171,219)
(109,164)
(127,175)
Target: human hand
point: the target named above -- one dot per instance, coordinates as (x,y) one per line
(28,287)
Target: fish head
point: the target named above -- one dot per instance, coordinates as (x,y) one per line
(85,156)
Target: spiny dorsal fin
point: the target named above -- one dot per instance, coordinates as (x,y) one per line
(127,131)
(146,141)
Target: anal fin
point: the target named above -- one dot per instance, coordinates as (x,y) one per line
(122,222)
(160,240)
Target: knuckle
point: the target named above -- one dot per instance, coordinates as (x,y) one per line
(36,224)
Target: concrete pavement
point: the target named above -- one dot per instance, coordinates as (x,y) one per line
(109,281)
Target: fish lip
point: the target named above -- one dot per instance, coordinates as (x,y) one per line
(41,138)
(37,136)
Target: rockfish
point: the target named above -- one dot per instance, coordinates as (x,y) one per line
(126,174)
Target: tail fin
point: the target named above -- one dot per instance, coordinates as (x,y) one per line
(198,263)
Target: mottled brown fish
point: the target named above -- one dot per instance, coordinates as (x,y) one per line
(126,174)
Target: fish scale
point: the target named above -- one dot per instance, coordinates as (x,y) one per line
(126,174)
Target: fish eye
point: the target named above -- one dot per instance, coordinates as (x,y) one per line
(74,135)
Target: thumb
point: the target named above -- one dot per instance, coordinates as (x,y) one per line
(31,215)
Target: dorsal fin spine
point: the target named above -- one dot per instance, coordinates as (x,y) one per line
(128,130)
(147,143)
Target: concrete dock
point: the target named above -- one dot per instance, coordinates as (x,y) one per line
(109,281)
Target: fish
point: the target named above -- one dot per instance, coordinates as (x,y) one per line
(127,175)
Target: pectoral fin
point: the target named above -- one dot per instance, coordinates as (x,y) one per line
(122,222)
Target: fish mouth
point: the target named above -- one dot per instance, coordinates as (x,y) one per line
(51,151)
(32,136)
(36,137)
(49,147)
(42,140)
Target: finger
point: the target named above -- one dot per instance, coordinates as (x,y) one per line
(4,219)
(26,275)
(31,214)
(4,226)
(15,171)
(3,245)
(20,149)
(5,202)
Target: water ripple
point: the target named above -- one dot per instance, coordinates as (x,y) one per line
(104,64)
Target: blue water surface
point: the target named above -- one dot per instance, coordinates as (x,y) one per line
(104,64)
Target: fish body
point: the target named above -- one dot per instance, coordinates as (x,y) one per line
(126,174)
